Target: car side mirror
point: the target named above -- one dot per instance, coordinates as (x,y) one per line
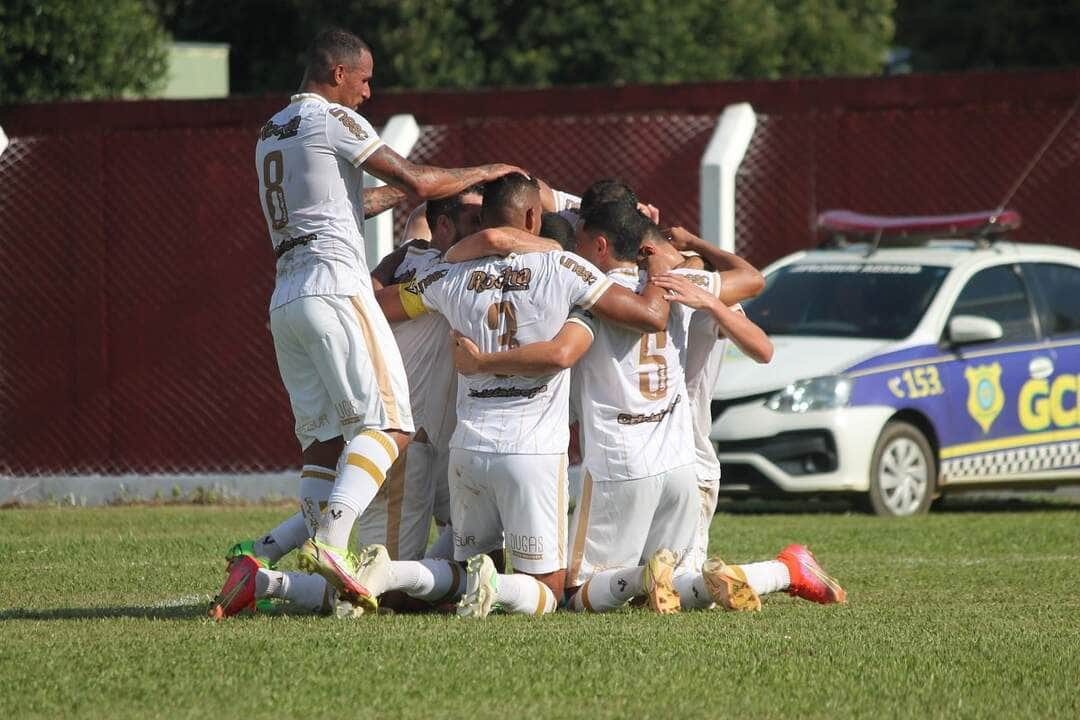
(966,329)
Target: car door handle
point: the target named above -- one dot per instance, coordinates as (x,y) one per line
(1041,367)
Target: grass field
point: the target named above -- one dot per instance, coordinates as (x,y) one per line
(969,613)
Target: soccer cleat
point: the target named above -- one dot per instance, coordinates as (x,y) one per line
(808,580)
(339,568)
(656,579)
(246,548)
(238,594)
(728,587)
(373,571)
(481,587)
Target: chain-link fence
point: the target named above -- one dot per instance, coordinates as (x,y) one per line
(135,268)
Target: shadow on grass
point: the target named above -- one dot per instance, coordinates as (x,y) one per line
(178,612)
(974,502)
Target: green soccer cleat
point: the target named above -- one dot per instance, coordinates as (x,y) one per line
(339,567)
(481,588)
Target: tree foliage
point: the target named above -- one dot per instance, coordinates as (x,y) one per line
(463,43)
(990,34)
(72,49)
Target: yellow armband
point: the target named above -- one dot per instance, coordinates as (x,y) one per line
(410,299)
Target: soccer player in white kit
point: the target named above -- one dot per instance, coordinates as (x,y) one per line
(335,351)
(508,453)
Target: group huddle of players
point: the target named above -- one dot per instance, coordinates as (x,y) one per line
(442,385)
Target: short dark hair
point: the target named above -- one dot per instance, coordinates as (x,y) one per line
(508,194)
(608,190)
(333,46)
(621,223)
(555,227)
(449,206)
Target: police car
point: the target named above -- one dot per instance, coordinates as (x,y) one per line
(913,356)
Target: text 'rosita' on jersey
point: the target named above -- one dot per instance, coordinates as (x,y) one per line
(509,279)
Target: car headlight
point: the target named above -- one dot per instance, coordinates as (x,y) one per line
(822,393)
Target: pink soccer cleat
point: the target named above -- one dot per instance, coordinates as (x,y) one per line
(808,580)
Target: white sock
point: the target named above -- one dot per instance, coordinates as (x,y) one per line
(443,547)
(307,591)
(367,458)
(430,580)
(767,577)
(524,594)
(608,590)
(268,583)
(693,595)
(316,482)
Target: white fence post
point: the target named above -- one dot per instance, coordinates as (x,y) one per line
(3,141)
(401,134)
(718,166)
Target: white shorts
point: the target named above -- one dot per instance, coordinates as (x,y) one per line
(521,496)
(622,523)
(399,516)
(439,468)
(708,496)
(341,367)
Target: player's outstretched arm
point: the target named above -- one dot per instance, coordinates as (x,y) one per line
(532,360)
(740,329)
(382,198)
(428,181)
(647,312)
(499,241)
(739,280)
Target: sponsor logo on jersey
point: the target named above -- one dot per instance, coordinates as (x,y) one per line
(350,124)
(272,129)
(628,419)
(425,283)
(985,398)
(508,392)
(578,269)
(509,279)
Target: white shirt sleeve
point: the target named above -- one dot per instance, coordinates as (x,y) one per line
(350,135)
(585,283)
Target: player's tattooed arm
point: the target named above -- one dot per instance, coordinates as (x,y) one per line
(733,324)
(500,241)
(382,198)
(428,181)
(532,360)
(739,279)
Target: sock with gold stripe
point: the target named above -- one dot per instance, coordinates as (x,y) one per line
(315,485)
(367,458)
(608,590)
(428,580)
(520,593)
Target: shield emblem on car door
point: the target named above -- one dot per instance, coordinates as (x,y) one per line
(985,398)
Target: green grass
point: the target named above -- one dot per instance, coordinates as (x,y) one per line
(970,613)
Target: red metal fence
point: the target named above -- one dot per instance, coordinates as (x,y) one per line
(135,271)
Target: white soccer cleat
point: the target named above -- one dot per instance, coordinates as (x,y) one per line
(657,581)
(373,568)
(480,588)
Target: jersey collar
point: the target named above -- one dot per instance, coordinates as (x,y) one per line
(300,97)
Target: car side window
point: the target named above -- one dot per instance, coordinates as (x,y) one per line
(1059,287)
(999,294)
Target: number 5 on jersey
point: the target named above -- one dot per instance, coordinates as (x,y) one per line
(652,380)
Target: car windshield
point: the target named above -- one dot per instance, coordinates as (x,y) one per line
(859,300)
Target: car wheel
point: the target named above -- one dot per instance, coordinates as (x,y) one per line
(903,472)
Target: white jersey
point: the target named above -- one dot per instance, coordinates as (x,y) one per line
(308,158)
(424,342)
(704,356)
(502,303)
(635,412)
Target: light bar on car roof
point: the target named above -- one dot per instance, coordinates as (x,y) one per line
(971,224)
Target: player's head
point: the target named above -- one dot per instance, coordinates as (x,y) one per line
(555,227)
(454,217)
(610,234)
(654,242)
(512,200)
(605,191)
(340,66)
